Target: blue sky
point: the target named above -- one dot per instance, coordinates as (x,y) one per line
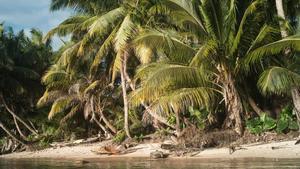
(27,14)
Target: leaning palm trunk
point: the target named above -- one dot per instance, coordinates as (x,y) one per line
(107,123)
(16,116)
(233,103)
(18,128)
(125,99)
(11,134)
(156,117)
(296,100)
(280,13)
(294,91)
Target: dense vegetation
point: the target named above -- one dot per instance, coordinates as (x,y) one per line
(133,67)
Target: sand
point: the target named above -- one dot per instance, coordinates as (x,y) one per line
(285,149)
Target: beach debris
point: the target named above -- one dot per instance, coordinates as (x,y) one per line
(179,150)
(110,150)
(76,142)
(158,154)
(233,148)
(278,147)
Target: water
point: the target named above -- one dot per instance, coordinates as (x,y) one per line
(151,164)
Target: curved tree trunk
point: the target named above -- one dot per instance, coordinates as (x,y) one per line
(233,103)
(7,131)
(153,115)
(16,116)
(280,13)
(107,123)
(157,117)
(254,106)
(296,100)
(124,92)
(18,128)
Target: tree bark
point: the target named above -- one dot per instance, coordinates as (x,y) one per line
(178,131)
(294,91)
(18,128)
(296,100)
(124,92)
(280,13)
(233,104)
(100,125)
(16,116)
(252,103)
(11,134)
(107,123)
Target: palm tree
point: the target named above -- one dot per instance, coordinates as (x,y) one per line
(223,44)
(22,59)
(283,78)
(75,93)
(106,34)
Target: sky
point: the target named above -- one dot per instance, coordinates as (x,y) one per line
(27,14)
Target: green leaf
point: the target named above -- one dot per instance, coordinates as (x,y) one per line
(282,124)
(293,125)
(269,123)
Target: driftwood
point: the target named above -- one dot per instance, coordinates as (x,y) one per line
(180,150)
(76,142)
(10,146)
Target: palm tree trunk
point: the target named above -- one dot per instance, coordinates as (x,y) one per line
(16,116)
(233,104)
(100,125)
(107,123)
(294,91)
(252,103)
(18,128)
(153,115)
(178,131)
(280,13)
(124,92)
(296,100)
(11,134)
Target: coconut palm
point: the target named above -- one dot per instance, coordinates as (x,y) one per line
(106,36)
(73,93)
(223,44)
(21,60)
(283,79)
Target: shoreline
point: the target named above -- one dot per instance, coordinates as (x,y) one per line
(273,150)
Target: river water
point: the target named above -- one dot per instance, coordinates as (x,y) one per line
(151,164)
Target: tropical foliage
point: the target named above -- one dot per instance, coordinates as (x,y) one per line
(135,66)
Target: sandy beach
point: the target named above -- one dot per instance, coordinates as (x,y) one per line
(285,149)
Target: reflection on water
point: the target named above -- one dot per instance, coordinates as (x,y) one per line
(150,164)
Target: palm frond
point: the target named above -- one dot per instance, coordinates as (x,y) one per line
(54,74)
(71,113)
(189,8)
(68,26)
(278,80)
(205,53)
(169,42)
(105,22)
(103,51)
(249,11)
(125,33)
(60,105)
(292,42)
(179,100)
(49,97)
(158,79)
